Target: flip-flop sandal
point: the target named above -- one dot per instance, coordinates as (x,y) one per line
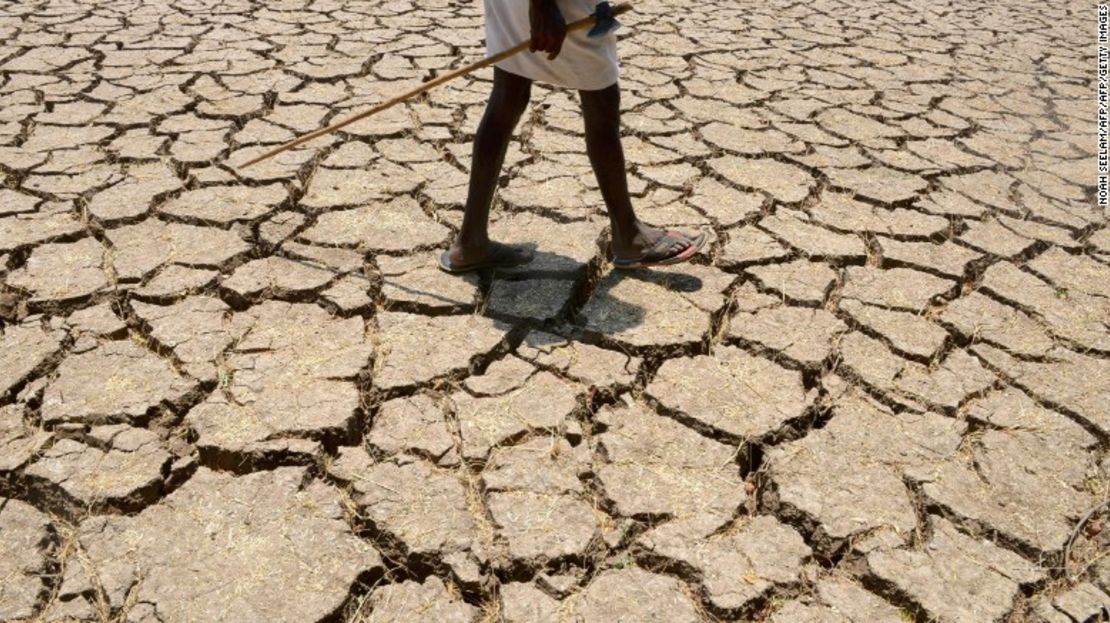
(500,256)
(657,254)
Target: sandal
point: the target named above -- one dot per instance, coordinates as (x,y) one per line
(657,254)
(499,256)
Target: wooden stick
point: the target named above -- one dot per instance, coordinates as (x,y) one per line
(581,24)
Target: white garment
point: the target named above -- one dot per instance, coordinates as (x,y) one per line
(584,63)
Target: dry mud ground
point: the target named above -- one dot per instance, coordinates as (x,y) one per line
(883,394)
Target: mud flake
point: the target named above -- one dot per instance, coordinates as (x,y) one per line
(1032,450)
(63,272)
(423,507)
(946,153)
(114,382)
(878,183)
(332,188)
(895,288)
(195,329)
(415,425)
(1074,273)
(14,202)
(134,195)
(565,193)
(658,307)
(1066,378)
(731,391)
(279,227)
(98,320)
(909,333)
(947,258)
(737,567)
(847,477)
(121,468)
(418,281)
(812,239)
(536,299)
(349,294)
(672,175)
(839,157)
(399,225)
(23,348)
(138,250)
(956,577)
(838,601)
(991,237)
(784,182)
(749,245)
(651,465)
(290,376)
(276,275)
(800,280)
(537,502)
(22,558)
(50,222)
(19,442)
(314,561)
(632,594)
(942,385)
(1073,315)
(842,212)
(566,253)
(226,204)
(857,127)
(725,204)
(427,602)
(45,58)
(1034,230)
(589,364)
(804,334)
(524,603)
(137,144)
(1084,602)
(950,204)
(541,403)
(414,349)
(745,141)
(985,187)
(175,280)
(982,318)
(542,527)
(334,259)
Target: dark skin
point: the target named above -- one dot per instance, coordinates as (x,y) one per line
(601,113)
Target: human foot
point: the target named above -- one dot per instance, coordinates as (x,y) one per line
(466,258)
(655,247)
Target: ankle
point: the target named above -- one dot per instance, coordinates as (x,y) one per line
(624,228)
(472,241)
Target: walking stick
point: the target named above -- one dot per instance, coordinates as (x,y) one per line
(601,21)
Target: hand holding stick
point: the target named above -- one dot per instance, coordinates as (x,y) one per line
(582,24)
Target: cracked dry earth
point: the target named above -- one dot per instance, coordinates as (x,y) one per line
(883,394)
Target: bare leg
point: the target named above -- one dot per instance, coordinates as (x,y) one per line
(507,103)
(601,111)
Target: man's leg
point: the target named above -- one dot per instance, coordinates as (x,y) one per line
(601,111)
(507,103)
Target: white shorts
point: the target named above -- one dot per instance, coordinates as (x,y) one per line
(584,63)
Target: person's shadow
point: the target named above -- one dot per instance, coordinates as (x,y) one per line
(556,289)
(590,292)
